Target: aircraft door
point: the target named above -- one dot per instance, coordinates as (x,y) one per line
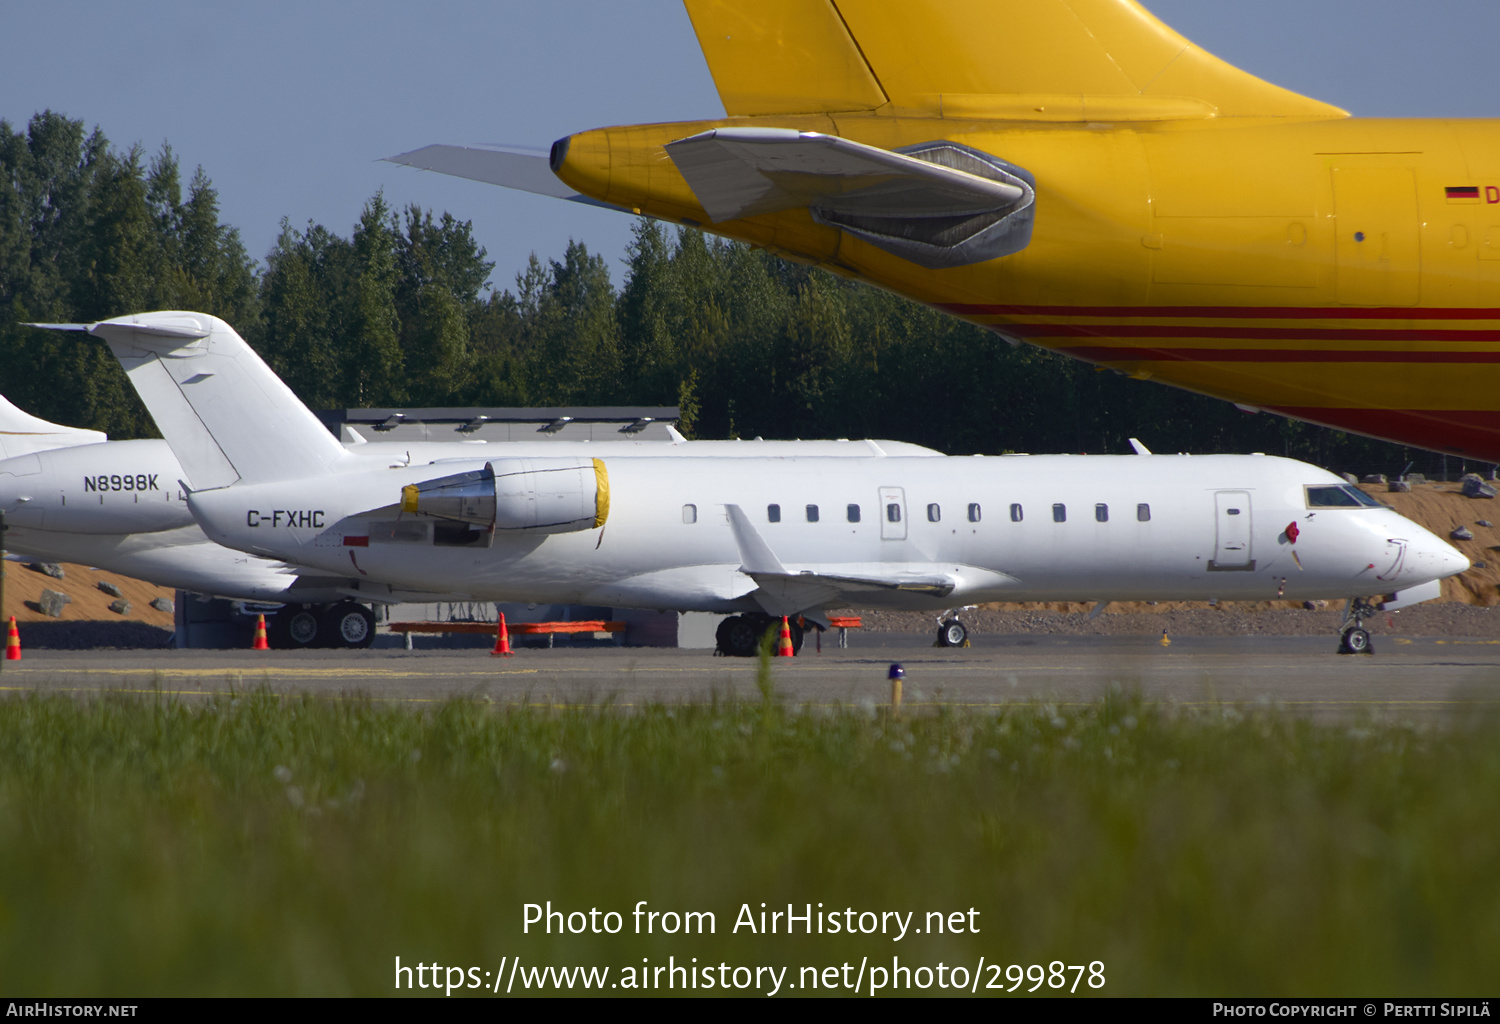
(892,513)
(1232,532)
(1378,248)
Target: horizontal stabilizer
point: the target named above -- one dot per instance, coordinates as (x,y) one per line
(508,168)
(938,204)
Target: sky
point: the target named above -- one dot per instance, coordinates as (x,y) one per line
(289,106)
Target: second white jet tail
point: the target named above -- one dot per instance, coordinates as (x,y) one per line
(22,433)
(225,414)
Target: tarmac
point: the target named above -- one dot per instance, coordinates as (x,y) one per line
(1442,681)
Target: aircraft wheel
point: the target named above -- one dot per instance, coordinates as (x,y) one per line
(1355,641)
(295,627)
(952,633)
(798,632)
(348,624)
(738,636)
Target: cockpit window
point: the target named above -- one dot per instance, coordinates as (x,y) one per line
(1340,496)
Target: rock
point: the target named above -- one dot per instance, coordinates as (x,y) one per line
(47,569)
(52,603)
(1374,478)
(110,589)
(1484,522)
(1475,487)
(120,607)
(1477,565)
(1415,478)
(163,604)
(1398,487)
(1349,478)
(1462,533)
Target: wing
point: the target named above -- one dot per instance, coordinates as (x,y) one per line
(938,204)
(784,592)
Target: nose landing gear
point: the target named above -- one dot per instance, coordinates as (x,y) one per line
(1353,637)
(952,633)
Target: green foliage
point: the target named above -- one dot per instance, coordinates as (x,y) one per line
(87,233)
(290,846)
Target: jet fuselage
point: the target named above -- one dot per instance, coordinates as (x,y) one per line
(925,533)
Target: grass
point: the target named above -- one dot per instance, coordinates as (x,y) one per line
(274,845)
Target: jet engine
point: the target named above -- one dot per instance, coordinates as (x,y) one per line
(533,495)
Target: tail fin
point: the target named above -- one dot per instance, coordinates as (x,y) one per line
(1025,59)
(226,415)
(22,433)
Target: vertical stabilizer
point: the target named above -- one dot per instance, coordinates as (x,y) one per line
(226,415)
(783,57)
(1066,59)
(22,433)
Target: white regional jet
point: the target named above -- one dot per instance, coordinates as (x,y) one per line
(755,537)
(71,495)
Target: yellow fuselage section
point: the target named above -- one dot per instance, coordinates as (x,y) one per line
(1344,271)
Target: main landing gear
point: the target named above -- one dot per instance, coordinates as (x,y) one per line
(1353,637)
(300,626)
(739,635)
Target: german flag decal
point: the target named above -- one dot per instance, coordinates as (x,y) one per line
(1463,193)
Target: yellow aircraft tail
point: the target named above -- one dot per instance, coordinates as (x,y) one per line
(1050,60)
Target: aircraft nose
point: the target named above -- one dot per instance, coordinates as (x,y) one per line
(1436,559)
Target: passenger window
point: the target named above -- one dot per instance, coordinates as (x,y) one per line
(1101,513)
(1059,513)
(934,514)
(1143,513)
(974,512)
(853,513)
(773,513)
(893,513)
(690,513)
(1016,515)
(812,513)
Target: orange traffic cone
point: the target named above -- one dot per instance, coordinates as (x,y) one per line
(502,640)
(13,642)
(784,644)
(260,635)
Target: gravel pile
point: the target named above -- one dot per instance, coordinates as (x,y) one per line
(91,635)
